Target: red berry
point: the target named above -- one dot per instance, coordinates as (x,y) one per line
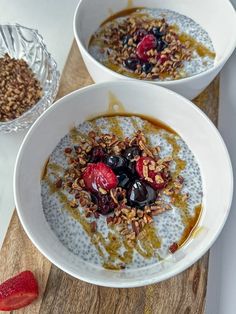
(160,179)
(99,176)
(147,43)
(162,58)
(18,291)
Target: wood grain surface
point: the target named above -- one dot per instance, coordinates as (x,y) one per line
(60,293)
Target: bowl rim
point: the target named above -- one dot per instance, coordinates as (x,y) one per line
(56,76)
(209,71)
(135,283)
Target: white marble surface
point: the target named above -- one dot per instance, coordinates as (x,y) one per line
(53,19)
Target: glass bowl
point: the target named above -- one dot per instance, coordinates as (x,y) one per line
(24,43)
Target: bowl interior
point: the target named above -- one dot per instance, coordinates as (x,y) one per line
(191,124)
(217,18)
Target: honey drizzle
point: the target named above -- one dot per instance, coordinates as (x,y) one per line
(190,222)
(115,127)
(76,135)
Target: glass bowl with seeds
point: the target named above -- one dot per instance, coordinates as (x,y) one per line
(29,77)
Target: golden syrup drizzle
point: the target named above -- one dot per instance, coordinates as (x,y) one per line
(55,167)
(95,127)
(190,222)
(123,13)
(76,135)
(202,50)
(135,124)
(191,226)
(44,170)
(148,243)
(115,128)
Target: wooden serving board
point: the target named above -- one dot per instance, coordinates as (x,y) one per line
(60,293)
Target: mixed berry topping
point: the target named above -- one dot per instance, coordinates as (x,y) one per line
(122,179)
(147,43)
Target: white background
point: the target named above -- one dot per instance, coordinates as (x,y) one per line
(53,19)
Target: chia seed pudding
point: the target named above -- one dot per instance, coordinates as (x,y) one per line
(152,44)
(119,199)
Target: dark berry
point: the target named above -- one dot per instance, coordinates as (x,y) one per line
(161,45)
(68,150)
(96,154)
(140,33)
(123,180)
(131,63)
(147,43)
(131,152)
(115,162)
(147,67)
(140,194)
(132,169)
(105,204)
(125,39)
(157,33)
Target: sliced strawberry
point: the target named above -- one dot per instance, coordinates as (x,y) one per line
(18,291)
(147,43)
(158,180)
(98,176)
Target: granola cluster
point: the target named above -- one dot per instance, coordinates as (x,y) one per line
(146,170)
(146,47)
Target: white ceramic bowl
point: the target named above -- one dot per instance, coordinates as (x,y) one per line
(217,17)
(192,124)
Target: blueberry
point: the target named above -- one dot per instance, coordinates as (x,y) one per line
(147,67)
(96,154)
(115,162)
(131,152)
(140,33)
(140,194)
(157,33)
(125,39)
(152,194)
(132,168)
(161,45)
(131,63)
(123,180)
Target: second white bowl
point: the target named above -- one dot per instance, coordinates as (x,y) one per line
(217,17)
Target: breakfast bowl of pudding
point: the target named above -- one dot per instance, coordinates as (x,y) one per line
(132,186)
(172,44)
